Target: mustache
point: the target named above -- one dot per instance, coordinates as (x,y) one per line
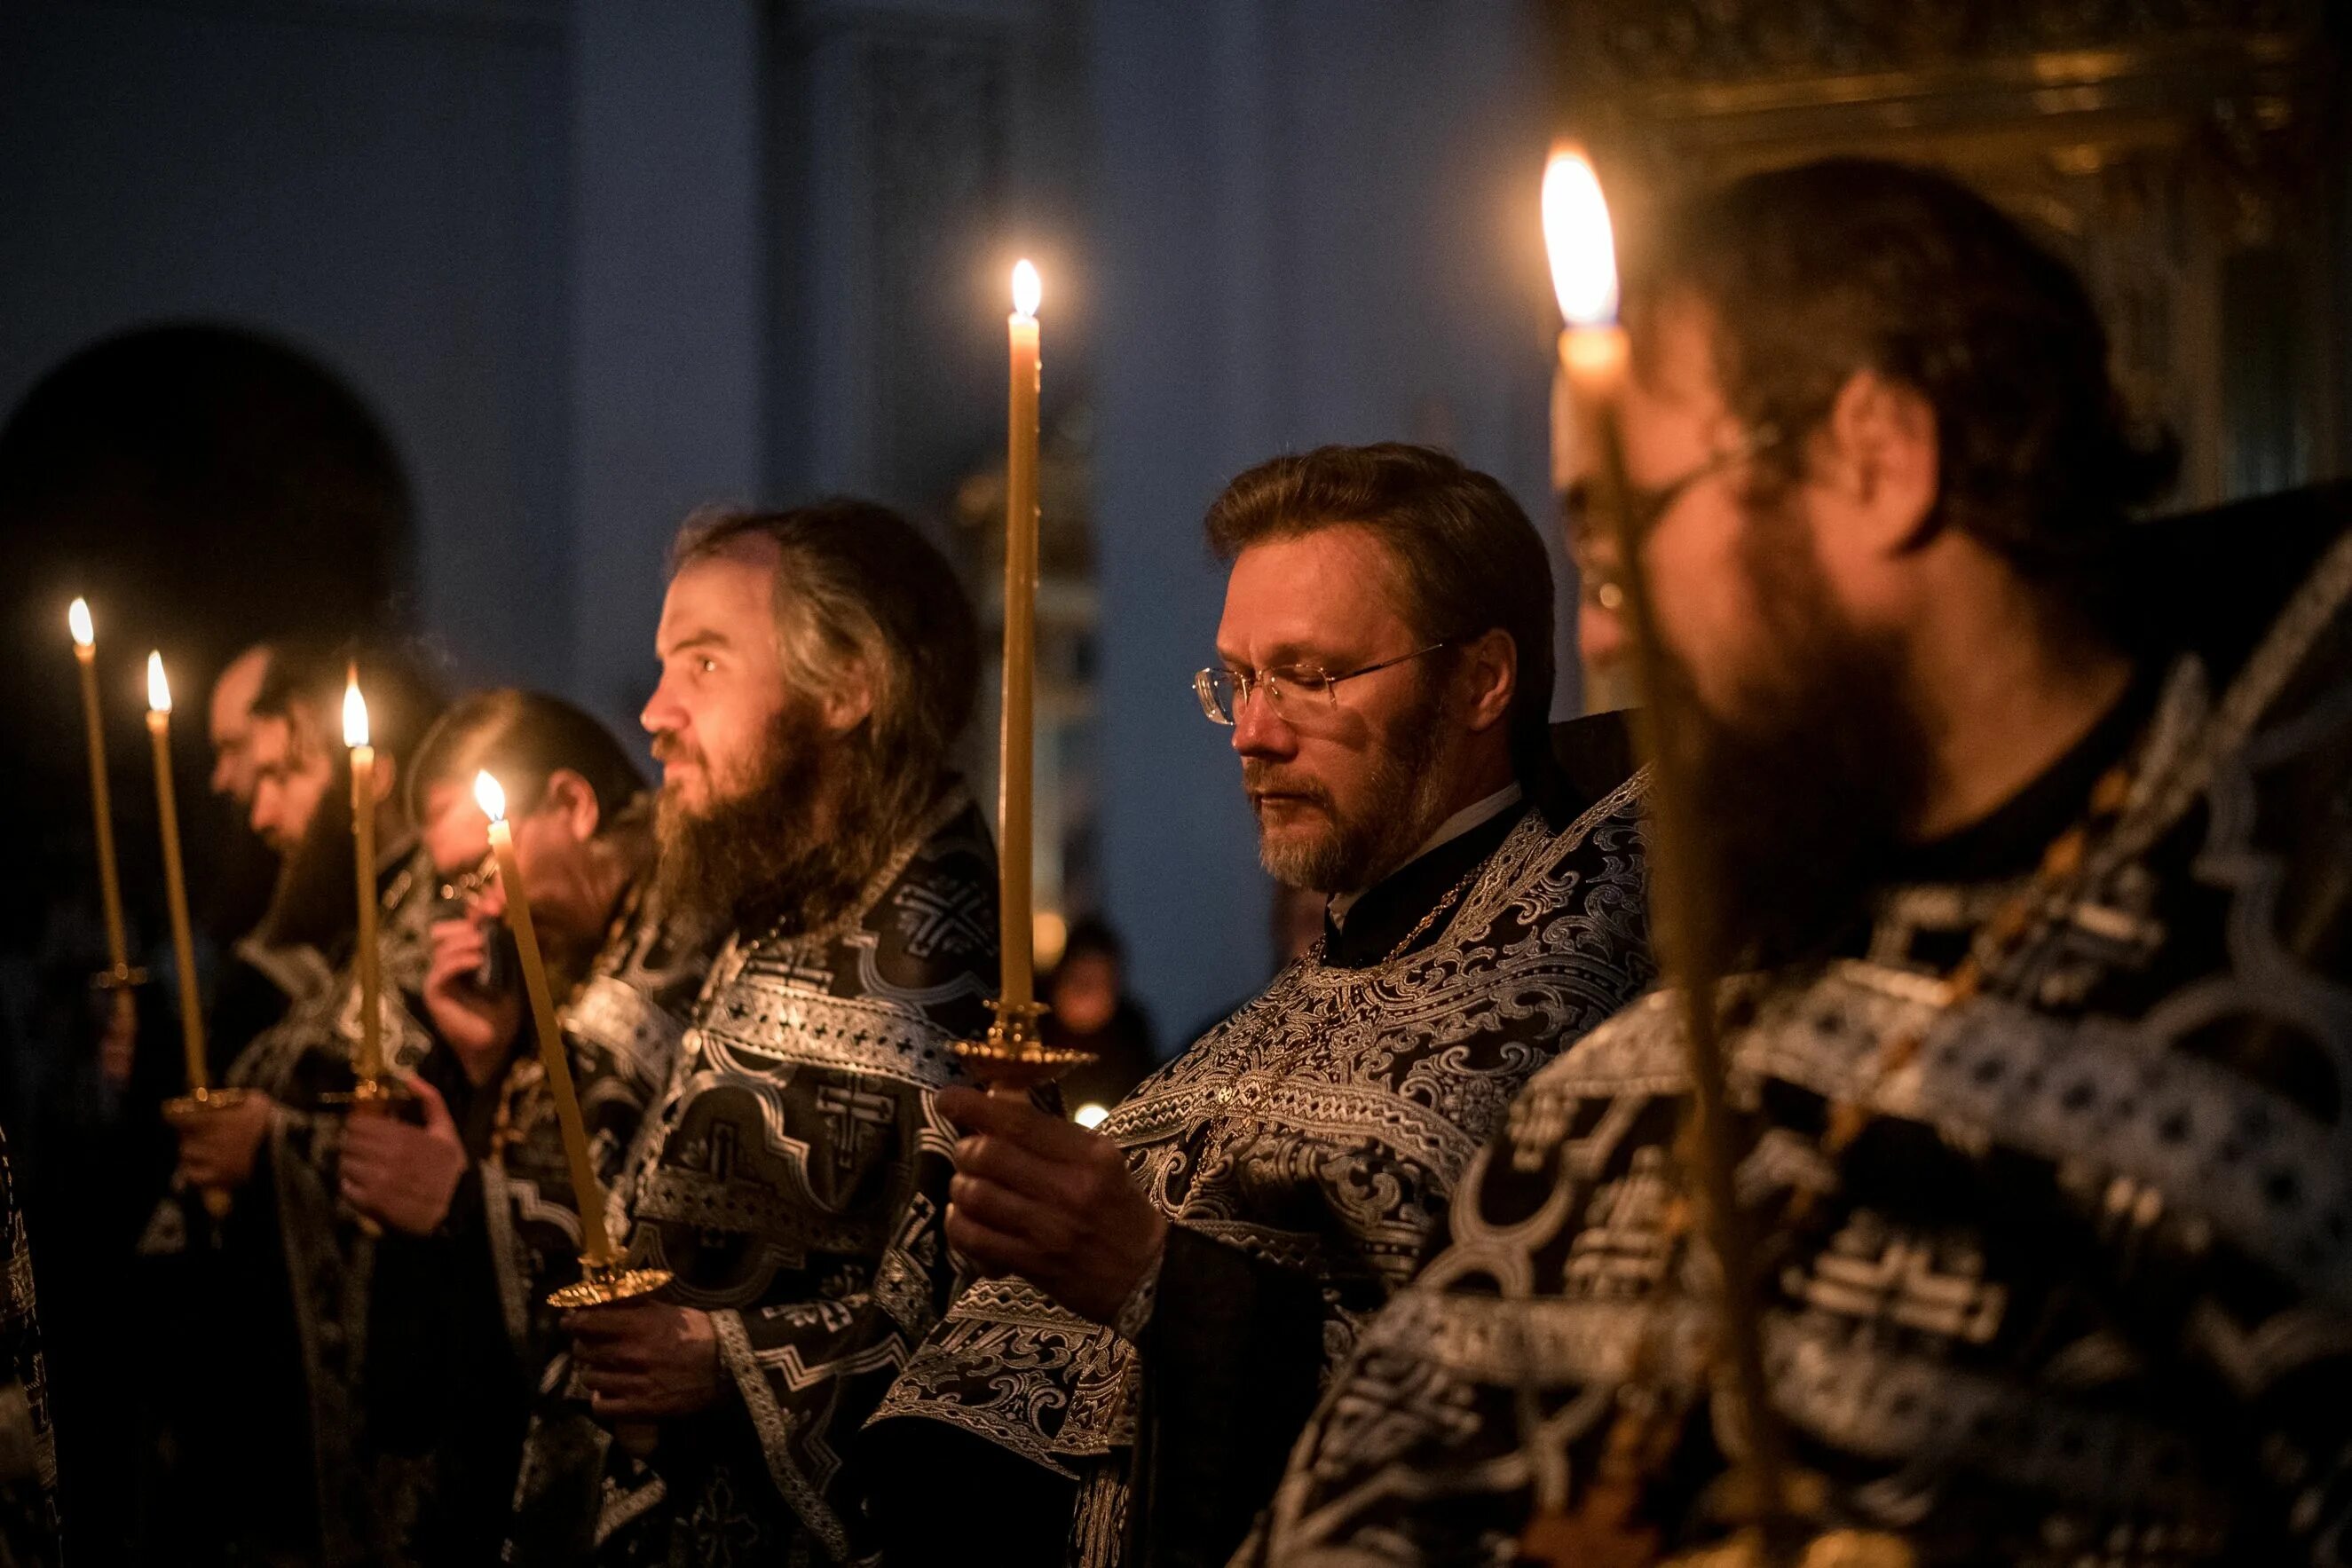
(669,746)
(1259,778)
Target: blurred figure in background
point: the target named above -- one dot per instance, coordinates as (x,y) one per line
(1092,1012)
(282,1313)
(474,1193)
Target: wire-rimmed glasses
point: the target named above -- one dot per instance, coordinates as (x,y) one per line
(1222,691)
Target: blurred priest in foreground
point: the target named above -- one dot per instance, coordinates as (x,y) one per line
(1169,1294)
(2033,845)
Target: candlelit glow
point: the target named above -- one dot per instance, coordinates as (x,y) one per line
(1028,288)
(355,720)
(77,617)
(159,690)
(1580,240)
(1090,1115)
(490,797)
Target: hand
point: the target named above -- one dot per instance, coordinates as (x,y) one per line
(118,1047)
(1046,1199)
(645,1359)
(218,1142)
(477,1026)
(401,1174)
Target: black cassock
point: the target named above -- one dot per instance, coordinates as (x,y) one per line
(2057,1267)
(29,1535)
(793,1177)
(459,1361)
(1304,1150)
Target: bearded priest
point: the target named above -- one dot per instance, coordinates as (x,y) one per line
(816,667)
(1167,1294)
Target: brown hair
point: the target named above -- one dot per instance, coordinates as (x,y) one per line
(1812,273)
(524,738)
(858,585)
(1470,561)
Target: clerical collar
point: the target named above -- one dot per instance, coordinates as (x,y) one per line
(1361,928)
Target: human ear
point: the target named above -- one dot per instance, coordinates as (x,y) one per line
(1883,461)
(571,800)
(849,704)
(1491,665)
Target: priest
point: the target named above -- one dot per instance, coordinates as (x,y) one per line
(1164,1297)
(472,1191)
(288,1297)
(817,665)
(2031,845)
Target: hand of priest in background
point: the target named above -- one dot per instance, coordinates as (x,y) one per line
(479,1026)
(218,1142)
(645,1360)
(401,1174)
(1050,1201)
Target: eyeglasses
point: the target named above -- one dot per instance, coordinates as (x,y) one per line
(1222,691)
(1644,509)
(469,885)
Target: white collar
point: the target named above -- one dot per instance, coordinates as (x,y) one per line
(1476,814)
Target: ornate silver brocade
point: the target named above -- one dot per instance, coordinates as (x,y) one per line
(2111,1184)
(1320,1128)
(793,1177)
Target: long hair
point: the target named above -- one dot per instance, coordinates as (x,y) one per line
(860,592)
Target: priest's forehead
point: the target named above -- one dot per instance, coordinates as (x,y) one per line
(1327,595)
(725,599)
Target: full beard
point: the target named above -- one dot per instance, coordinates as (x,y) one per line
(1358,847)
(760,861)
(315,900)
(1807,786)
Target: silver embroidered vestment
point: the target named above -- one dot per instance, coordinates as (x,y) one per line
(1318,1132)
(2080,1291)
(793,1177)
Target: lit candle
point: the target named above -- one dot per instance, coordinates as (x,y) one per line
(355,736)
(597,1250)
(1017,742)
(109,885)
(1582,247)
(176,888)
(1593,360)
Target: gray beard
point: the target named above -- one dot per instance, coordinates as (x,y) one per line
(1398,811)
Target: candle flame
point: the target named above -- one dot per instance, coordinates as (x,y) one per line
(1091,1116)
(1028,289)
(78,618)
(159,690)
(489,797)
(1578,236)
(355,719)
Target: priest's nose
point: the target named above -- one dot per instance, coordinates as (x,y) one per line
(1259,730)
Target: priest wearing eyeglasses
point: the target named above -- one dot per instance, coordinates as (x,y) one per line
(1160,1300)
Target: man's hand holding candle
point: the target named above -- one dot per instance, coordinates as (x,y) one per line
(1050,1201)
(219,1143)
(400,1173)
(645,1359)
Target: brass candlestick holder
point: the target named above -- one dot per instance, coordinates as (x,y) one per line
(602,1284)
(1011,1058)
(217,1200)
